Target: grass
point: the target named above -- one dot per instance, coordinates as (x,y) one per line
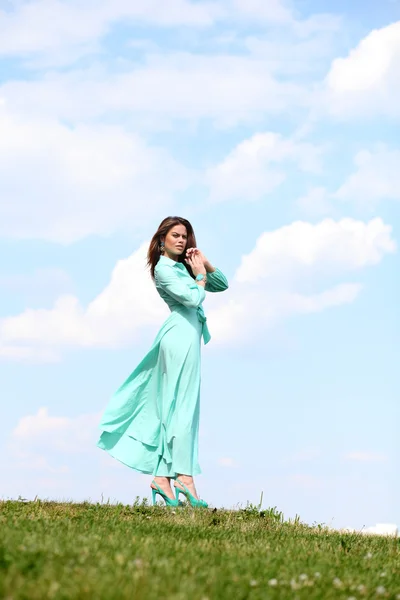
(103,551)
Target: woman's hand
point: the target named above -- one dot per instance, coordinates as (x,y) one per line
(195,262)
(196,252)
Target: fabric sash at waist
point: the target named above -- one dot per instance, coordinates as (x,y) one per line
(203,319)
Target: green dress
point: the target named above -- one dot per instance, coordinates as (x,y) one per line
(151,423)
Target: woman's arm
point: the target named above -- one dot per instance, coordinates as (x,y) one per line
(189,294)
(216,280)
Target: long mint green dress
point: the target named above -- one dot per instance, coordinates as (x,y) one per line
(151,423)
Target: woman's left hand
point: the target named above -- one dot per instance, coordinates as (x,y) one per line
(196,252)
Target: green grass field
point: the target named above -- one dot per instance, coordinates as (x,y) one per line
(103,551)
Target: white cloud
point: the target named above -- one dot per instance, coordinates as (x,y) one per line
(68,435)
(252,170)
(268,286)
(382,529)
(290,56)
(292,302)
(32,462)
(63,30)
(165,83)
(273,11)
(389,529)
(44,453)
(291,251)
(45,277)
(281,276)
(367,81)
(37,425)
(167,86)
(377,177)
(250,313)
(47,443)
(51,26)
(39,286)
(319,24)
(114,318)
(79,181)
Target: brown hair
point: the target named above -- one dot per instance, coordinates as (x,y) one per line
(153,253)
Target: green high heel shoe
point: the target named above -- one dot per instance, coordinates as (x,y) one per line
(168,501)
(191,499)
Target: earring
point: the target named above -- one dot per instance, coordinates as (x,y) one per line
(161,248)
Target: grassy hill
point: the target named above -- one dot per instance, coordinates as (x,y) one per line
(102,551)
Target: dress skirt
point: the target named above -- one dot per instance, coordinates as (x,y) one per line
(151,423)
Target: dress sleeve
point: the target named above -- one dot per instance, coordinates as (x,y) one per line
(189,294)
(216,281)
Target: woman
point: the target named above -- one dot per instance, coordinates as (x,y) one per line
(151,423)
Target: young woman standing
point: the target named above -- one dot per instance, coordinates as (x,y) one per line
(151,423)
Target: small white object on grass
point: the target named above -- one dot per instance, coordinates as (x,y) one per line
(380,590)
(294,585)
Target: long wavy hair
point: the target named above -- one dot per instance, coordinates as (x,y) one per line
(153,253)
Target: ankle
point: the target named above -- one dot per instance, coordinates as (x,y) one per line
(186,479)
(161,480)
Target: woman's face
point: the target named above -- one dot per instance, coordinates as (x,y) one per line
(175,241)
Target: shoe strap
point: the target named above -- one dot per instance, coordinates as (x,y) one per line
(159,489)
(183,485)
(185,488)
(188,491)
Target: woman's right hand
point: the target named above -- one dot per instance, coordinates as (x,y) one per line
(196,264)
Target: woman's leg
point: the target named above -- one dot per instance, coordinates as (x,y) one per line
(165,484)
(188,481)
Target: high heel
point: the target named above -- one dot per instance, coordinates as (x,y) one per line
(168,501)
(195,502)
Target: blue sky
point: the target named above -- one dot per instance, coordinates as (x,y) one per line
(272,127)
